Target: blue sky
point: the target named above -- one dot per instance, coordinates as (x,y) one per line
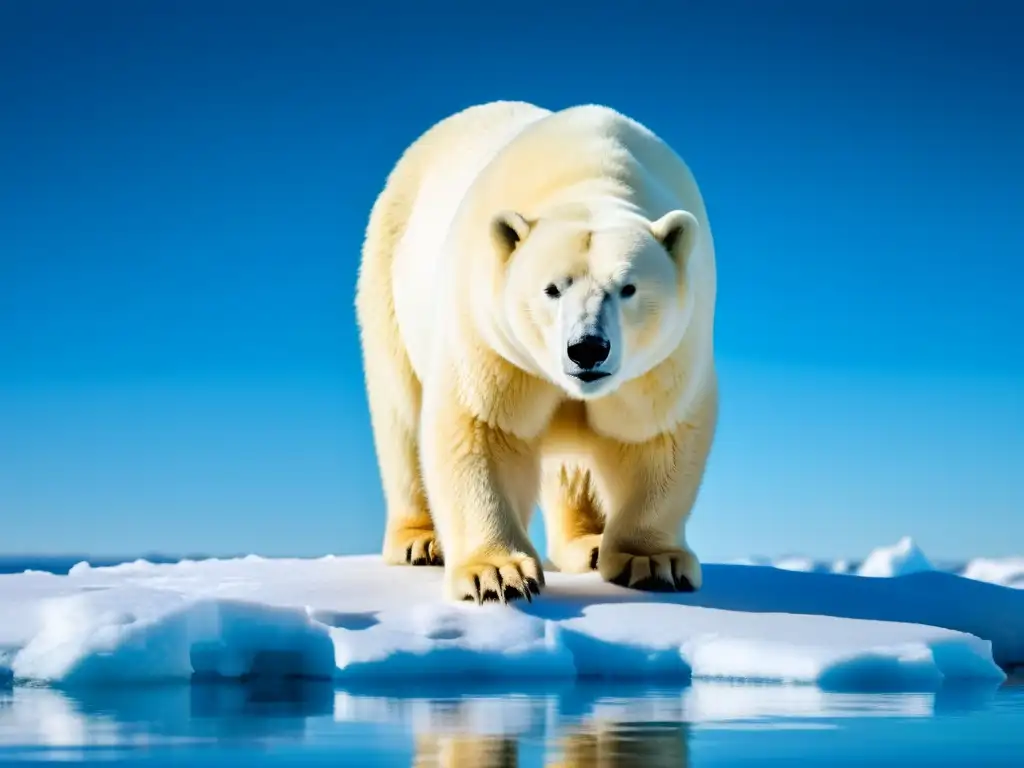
(184,188)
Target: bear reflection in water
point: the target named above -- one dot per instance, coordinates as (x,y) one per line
(587,745)
(603,726)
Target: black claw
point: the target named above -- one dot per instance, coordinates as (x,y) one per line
(490,596)
(533,586)
(683,585)
(649,584)
(502,594)
(512,593)
(593,558)
(420,561)
(408,554)
(654,584)
(476,588)
(622,579)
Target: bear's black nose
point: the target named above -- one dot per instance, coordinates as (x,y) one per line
(589,351)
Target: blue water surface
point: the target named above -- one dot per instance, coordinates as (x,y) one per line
(590,724)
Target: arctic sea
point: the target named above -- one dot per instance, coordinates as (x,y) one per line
(585,724)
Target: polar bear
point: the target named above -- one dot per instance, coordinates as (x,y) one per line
(536,300)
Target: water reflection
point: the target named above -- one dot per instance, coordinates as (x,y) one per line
(587,745)
(625,744)
(576,727)
(593,724)
(132,715)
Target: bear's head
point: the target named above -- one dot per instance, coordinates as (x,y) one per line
(595,303)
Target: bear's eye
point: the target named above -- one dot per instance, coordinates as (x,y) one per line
(627,290)
(552,291)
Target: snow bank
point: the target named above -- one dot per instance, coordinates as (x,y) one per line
(794,563)
(353,619)
(901,559)
(1009,572)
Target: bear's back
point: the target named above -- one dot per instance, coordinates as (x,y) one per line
(443,163)
(595,148)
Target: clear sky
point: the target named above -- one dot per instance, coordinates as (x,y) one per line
(183,191)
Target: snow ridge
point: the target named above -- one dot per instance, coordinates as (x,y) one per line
(352,619)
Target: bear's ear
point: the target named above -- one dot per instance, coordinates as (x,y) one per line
(508,230)
(677,232)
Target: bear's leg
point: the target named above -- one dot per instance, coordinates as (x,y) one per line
(649,490)
(409,534)
(394,393)
(482,484)
(571,517)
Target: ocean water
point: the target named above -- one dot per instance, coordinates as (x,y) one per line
(593,724)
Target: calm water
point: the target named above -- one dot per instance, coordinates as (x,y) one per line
(604,725)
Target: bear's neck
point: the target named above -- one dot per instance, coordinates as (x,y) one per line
(657,403)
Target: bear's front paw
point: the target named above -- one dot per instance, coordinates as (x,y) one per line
(673,571)
(413,546)
(579,555)
(496,578)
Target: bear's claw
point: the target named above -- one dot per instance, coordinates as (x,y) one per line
(424,551)
(654,584)
(667,572)
(497,579)
(412,546)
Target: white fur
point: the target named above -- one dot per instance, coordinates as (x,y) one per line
(418,269)
(478,408)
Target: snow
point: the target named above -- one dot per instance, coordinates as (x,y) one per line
(1008,572)
(354,620)
(795,564)
(903,558)
(900,559)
